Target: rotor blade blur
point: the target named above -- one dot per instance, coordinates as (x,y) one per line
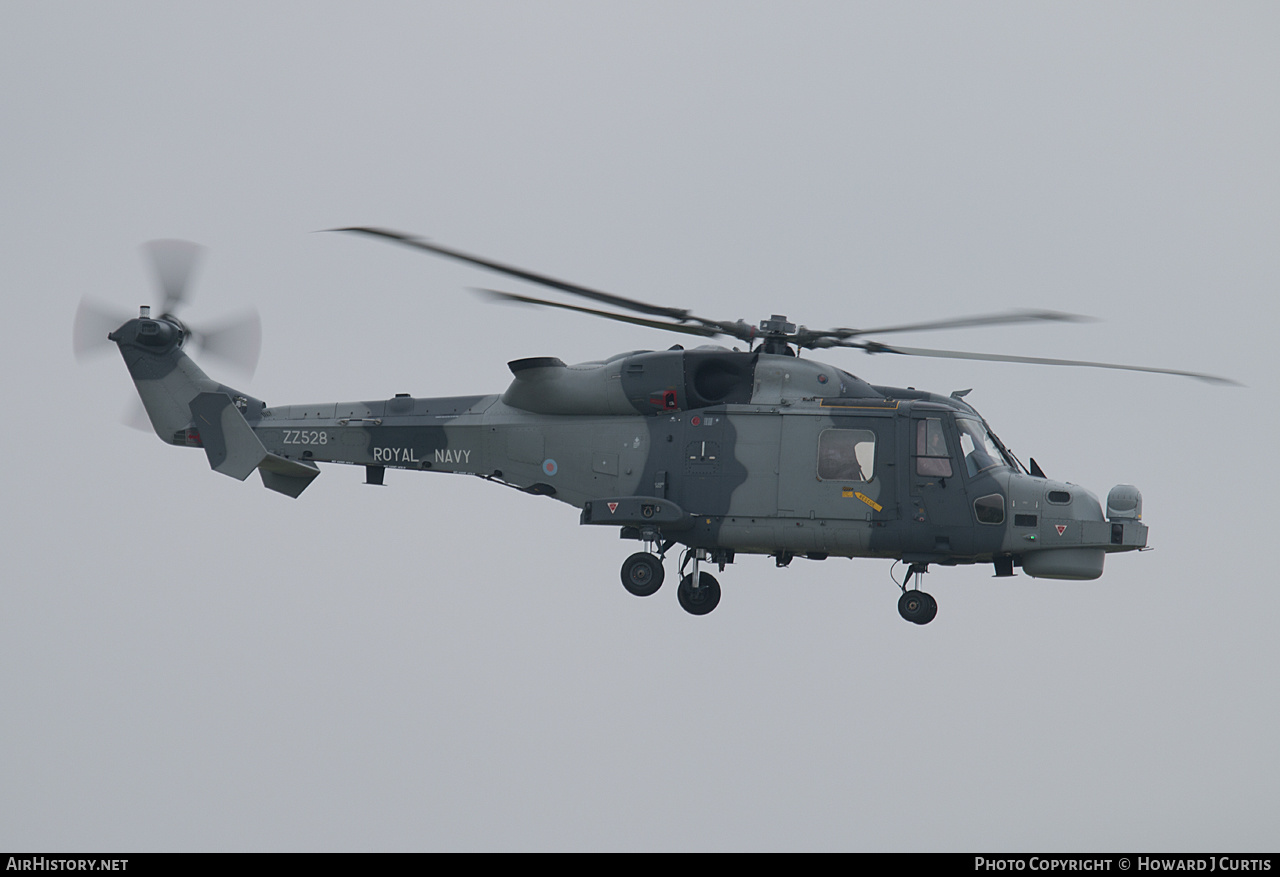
(92,324)
(1018,316)
(623,318)
(520,273)
(237,341)
(174,262)
(873,347)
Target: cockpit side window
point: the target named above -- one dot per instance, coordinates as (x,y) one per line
(932,458)
(980,450)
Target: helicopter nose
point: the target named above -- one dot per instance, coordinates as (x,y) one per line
(1074,536)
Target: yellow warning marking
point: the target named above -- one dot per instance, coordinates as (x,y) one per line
(869,501)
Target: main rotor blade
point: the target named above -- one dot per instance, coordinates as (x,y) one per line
(1006,318)
(512,271)
(638,321)
(874,347)
(173,262)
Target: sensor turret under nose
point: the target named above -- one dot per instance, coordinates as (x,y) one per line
(1124,503)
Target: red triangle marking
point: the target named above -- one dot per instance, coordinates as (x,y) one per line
(1061,528)
(613,507)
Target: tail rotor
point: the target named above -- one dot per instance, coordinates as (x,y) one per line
(236,340)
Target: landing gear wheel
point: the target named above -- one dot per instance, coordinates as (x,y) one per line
(699,600)
(642,574)
(917,607)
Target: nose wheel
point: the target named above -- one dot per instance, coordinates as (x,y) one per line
(915,605)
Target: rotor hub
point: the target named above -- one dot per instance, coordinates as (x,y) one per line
(778,335)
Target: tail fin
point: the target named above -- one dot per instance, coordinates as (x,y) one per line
(166,378)
(187,407)
(233,448)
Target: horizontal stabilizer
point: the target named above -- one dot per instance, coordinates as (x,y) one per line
(289,477)
(234,449)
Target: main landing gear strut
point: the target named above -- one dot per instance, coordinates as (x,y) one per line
(698,592)
(915,605)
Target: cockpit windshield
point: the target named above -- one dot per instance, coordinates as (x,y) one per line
(981,452)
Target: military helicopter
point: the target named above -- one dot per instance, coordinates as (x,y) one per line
(721,452)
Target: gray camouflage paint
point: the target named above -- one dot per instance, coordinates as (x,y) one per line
(711,448)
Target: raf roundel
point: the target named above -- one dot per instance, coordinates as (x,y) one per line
(549,467)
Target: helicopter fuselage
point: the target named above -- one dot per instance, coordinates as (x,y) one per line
(725,451)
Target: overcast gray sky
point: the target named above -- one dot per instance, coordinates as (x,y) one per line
(192,663)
